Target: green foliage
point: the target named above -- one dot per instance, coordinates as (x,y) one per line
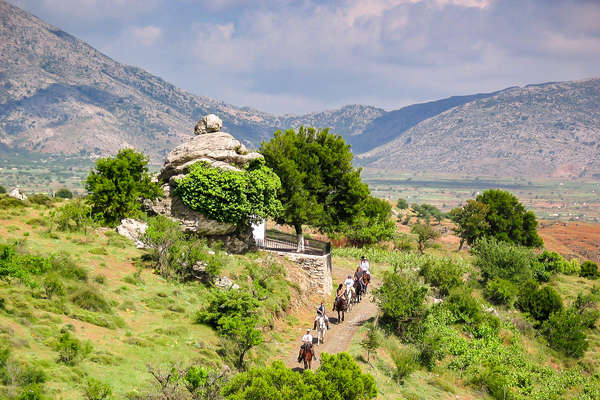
(236,197)
(64,193)
(424,233)
(539,303)
(2,189)
(497,259)
(589,270)
(401,301)
(403,243)
(31,392)
(234,314)
(444,274)
(92,300)
(508,220)
(338,378)
(402,204)
(74,216)
(20,266)
(405,363)
(372,340)
(565,332)
(470,221)
(319,185)
(586,307)
(428,211)
(117,185)
(39,199)
(7,202)
(501,291)
(464,306)
(53,286)
(96,390)
(373,224)
(176,255)
(71,350)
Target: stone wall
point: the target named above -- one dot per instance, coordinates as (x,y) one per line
(317,270)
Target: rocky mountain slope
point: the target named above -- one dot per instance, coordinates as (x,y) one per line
(58,94)
(545,130)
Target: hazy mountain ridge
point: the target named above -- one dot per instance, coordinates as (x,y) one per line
(58,94)
(549,129)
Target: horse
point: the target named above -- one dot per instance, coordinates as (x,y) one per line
(358,290)
(321,329)
(349,296)
(366,280)
(340,304)
(306,354)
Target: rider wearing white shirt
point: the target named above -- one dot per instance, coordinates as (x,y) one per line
(307,338)
(349,282)
(364,264)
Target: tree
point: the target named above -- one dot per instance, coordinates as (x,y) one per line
(402,204)
(401,300)
(371,341)
(424,233)
(319,185)
(64,193)
(117,186)
(373,224)
(497,259)
(507,219)
(470,221)
(589,269)
(564,332)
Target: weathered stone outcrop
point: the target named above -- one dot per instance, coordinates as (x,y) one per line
(133,229)
(18,194)
(220,150)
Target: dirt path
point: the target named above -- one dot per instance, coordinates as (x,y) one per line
(339,337)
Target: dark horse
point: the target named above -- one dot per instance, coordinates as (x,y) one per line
(306,354)
(358,290)
(340,304)
(366,280)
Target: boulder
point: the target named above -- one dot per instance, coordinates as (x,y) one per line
(209,123)
(17,194)
(133,229)
(225,283)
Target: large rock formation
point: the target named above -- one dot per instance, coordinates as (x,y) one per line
(218,149)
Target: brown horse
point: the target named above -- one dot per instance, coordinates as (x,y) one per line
(340,304)
(366,280)
(358,291)
(306,354)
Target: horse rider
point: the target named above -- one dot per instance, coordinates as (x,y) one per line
(307,343)
(364,264)
(349,283)
(358,274)
(321,313)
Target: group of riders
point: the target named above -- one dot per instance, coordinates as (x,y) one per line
(348,293)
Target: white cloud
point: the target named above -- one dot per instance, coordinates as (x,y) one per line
(146,35)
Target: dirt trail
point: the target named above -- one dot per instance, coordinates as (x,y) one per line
(339,336)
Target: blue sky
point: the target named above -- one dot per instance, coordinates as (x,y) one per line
(298,56)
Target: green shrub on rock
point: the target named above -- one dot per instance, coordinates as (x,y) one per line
(235,197)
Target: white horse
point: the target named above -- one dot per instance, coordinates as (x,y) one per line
(349,296)
(321,329)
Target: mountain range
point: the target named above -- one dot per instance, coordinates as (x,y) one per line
(60,95)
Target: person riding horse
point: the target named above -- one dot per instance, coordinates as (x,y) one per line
(364,264)
(306,347)
(349,283)
(321,313)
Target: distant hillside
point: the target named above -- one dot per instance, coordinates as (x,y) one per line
(542,130)
(391,125)
(58,94)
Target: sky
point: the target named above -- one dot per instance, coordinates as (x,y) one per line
(297,56)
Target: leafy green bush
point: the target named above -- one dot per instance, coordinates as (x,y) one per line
(501,291)
(444,274)
(402,204)
(10,202)
(74,216)
(90,299)
(116,186)
(2,189)
(464,306)
(39,199)
(565,332)
(424,233)
(21,266)
(176,255)
(53,286)
(64,193)
(70,349)
(338,378)
(586,306)
(497,259)
(31,392)
(405,363)
(401,301)
(236,197)
(96,390)
(403,243)
(539,303)
(589,270)
(553,262)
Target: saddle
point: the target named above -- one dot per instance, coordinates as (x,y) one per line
(306,347)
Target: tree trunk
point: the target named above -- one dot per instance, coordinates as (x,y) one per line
(299,238)
(462,241)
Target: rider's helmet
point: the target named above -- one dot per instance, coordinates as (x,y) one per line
(308,330)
